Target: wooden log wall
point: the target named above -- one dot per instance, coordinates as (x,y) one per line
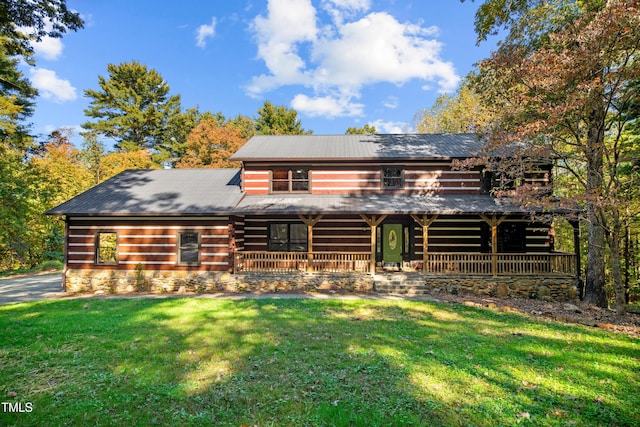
(152,242)
(330,234)
(342,233)
(341,178)
(456,233)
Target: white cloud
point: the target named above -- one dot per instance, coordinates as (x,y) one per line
(205,32)
(339,10)
(391,102)
(326,106)
(48,48)
(391,127)
(338,59)
(378,48)
(51,87)
(288,23)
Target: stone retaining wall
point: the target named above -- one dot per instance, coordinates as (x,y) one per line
(163,281)
(559,288)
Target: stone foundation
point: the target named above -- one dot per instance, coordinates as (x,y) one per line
(559,288)
(167,281)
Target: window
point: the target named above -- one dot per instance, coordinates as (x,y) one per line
(188,247)
(290,180)
(504,181)
(512,237)
(107,247)
(391,178)
(287,237)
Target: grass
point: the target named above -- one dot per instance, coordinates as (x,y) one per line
(279,362)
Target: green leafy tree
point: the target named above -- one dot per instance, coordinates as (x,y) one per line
(25,21)
(93,151)
(278,120)
(367,129)
(21,186)
(459,113)
(16,99)
(133,107)
(246,125)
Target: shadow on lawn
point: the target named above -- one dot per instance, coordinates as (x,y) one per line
(306,362)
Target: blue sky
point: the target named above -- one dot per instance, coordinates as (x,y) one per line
(339,63)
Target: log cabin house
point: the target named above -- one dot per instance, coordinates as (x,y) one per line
(305,209)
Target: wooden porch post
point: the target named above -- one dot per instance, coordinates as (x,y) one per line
(374,222)
(424,222)
(231,230)
(494,222)
(310,222)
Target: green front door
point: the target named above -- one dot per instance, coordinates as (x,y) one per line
(392,243)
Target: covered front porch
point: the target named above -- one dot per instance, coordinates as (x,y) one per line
(439,235)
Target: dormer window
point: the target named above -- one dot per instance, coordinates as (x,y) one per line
(392,178)
(290,180)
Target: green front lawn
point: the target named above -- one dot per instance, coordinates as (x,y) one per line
(266,362)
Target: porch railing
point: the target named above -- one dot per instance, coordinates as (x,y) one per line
(282,262)
(438,263)
(527,264)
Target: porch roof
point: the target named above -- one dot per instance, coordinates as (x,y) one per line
(376,203)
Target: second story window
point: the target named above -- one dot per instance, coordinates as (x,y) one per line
(290,180)
(391,178)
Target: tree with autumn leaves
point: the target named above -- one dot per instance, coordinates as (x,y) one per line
(563,85)
(211,142)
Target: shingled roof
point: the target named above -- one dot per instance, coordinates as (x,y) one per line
(159,192)
(359,147)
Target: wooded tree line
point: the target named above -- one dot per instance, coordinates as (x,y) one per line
(563,85)
(132,110)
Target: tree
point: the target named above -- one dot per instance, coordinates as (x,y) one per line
(134,108)
(119,161)
(210,144)
(25,21)
(21,186)
(278,120)
(56,173)
(93,151)
(16,99)
(367,129)
(554,83)
(459,113)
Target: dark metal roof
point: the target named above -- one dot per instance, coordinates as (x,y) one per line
(159,192)
(376,204)
(359,147)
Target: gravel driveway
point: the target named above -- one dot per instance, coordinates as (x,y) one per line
(30,288)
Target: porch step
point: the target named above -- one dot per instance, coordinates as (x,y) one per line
(400,284)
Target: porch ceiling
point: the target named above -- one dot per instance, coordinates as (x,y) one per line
(376,203)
